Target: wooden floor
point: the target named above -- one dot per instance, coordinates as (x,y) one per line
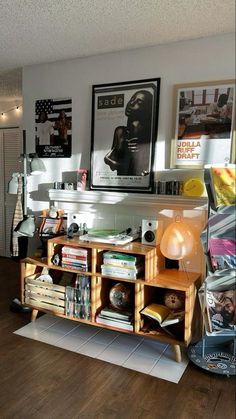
(40,381)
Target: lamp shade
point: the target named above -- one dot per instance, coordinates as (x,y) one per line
(26,227)
(178,241)
(13,184)
(37,166)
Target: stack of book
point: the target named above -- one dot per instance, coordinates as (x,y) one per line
(114,318)
(75,258)
(121,265)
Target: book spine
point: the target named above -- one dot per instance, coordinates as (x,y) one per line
(75,251)
(121,256)
(119,263)
(115,274)
(110,316)
(71,266)
(74,261)
(113,323)
(115,316)
(72,256)
(121,269)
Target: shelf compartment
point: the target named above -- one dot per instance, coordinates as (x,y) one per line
(120,265)
(76,305)
(151,327)
(104,286)
(69,257)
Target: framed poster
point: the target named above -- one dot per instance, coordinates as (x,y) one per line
(204,124)
(53,127)
(124,130)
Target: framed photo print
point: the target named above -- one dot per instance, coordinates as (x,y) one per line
(53,127)
(124,130)
(204,124)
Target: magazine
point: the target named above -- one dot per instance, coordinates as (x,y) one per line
(217,300)
(162,314)
(222,253)
(221,310)
(218,239)
(223,185)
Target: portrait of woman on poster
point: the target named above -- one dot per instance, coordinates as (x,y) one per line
(62,125)
(130,151)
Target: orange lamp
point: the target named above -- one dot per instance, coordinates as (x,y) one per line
(178,240)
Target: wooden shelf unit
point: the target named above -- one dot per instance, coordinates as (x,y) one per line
(146,289)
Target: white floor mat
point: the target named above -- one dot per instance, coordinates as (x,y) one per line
(134,352)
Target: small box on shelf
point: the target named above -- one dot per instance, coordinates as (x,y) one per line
(44,295)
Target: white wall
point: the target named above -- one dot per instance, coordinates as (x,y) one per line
(11,117)
(204,59)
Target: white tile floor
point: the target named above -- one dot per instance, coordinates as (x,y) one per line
(134,352)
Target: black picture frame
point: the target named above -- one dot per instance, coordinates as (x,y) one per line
(124,131)
(53,127)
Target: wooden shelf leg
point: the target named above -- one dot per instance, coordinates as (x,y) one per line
(177,352)
(34,314)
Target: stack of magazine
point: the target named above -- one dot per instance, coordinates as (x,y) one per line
(121,265)
(114,318)
(75,258)
(217,297)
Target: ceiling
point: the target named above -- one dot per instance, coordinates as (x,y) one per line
(41,31)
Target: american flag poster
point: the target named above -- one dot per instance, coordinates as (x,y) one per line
(53,127)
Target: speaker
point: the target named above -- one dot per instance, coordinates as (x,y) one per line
(151,232)
(73,223)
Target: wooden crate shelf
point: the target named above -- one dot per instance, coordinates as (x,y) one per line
(145,289)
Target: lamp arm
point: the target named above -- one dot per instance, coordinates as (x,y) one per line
(24,174)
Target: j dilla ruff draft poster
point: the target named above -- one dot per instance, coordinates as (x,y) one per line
(53,127)
(124,129)
(204,124)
